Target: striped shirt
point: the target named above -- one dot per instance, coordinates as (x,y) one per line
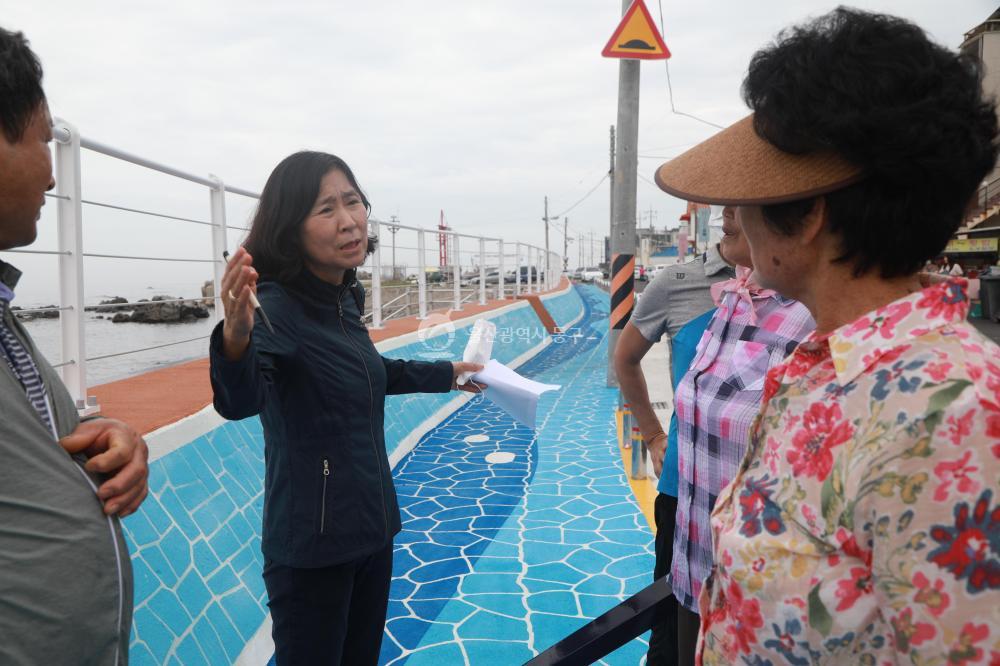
(19,360)
(716,403)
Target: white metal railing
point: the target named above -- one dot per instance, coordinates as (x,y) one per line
(528,260)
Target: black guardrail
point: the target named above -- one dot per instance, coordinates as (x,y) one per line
(605,634)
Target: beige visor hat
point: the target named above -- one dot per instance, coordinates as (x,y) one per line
(738,168)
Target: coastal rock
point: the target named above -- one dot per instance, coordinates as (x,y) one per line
(103,306)
(120,317)
(51,312)
(164,309)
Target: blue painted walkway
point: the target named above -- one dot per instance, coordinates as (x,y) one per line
(511,539)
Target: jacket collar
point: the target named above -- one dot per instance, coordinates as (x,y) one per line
(855,347)
(714,263)
(9,277)
(313,287)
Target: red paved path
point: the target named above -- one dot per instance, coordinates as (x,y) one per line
(155,399)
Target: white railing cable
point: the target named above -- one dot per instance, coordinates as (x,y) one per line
(19,311)
(131,305)
(405,294)
(143,349)
(23,251)
(396,313)
(128,256)
(146,212)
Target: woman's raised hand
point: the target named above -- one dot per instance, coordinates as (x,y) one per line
(239,280)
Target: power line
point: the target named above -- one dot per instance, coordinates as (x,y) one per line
(584,197)
(647,180)
(670,88)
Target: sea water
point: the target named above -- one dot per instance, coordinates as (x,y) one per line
(102,337)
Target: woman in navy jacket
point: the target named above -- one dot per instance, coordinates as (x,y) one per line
(319,385)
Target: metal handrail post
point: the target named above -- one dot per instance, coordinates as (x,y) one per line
(482,271)
(538,270)
(532,270)
(638,472)
(457,274)
(536,259)
(69,212)
(501,275)
(376,278)
(527,269)
(217,203)
(517,270)
(421,277)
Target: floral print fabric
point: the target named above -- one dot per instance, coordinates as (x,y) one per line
(864,525)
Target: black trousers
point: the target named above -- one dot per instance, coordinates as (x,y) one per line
(332,615)
(663,639)
(688,625)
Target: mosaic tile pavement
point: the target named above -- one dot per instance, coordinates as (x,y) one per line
(514,539)
(195,546)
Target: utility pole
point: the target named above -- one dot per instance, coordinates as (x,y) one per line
(623,204)
(548,261)
(611,177)
(546,238)
(651,214)
(565,243)
(393,221)
(579,249)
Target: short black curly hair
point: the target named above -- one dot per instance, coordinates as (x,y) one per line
(910,113)
(20,84)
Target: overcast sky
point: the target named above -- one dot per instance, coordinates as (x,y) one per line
(479,108)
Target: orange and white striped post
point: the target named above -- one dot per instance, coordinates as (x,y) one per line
(623,202)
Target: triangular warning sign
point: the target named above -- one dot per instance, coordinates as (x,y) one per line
(636,37)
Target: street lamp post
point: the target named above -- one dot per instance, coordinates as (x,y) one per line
(548,262)
(393,228)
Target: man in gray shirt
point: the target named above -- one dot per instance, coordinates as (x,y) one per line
(678,303)
(65,577)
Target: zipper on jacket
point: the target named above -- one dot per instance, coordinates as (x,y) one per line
(118,565)
(371,411)
(322,511)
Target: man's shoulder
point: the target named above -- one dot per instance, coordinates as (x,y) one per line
(681,277)
(682,290)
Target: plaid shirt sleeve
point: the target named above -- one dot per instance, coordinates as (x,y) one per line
(716,403)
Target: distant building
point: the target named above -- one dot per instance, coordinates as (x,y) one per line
(976,242)
(650,241)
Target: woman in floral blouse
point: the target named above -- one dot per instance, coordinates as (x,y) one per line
(863,525)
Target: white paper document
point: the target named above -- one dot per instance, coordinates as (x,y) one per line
(480,346)
(516,395)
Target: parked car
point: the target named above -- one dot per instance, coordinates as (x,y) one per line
(536,274)
(640,273)
(591,274)
(492,277)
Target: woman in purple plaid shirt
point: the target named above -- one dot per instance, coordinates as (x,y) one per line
(752,330)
